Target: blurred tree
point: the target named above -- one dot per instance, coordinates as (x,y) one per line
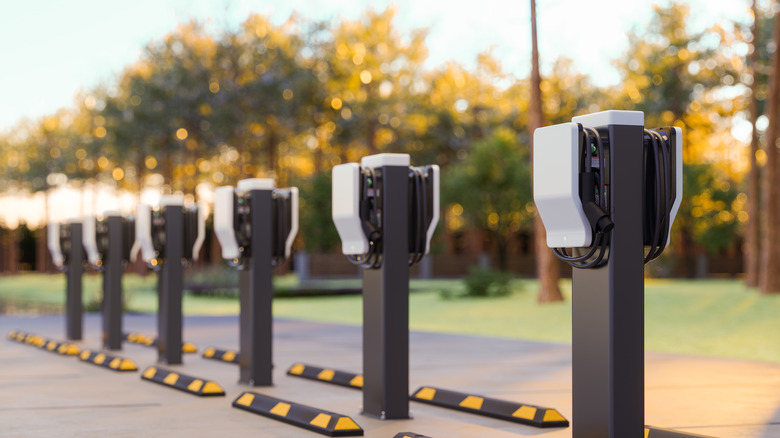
(491,189)
(460,107)
(317,230)
(769,277)
(757,79)
(263,72)
(547,268)
(370,71)
(292,100)
(712,203)
(686,79)
(756,76)
(752,246)
(157,118)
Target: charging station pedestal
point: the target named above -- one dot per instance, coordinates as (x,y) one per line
(169,238)
(169,289)
(608,364)
(256,225)
(385,212)
(67,252)
(255,289)
(112,244)
(106,244)
(74,309)
(112,283)
(608,305)
(386,306)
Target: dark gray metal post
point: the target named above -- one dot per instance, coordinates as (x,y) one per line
(112,285)
(256,296)
(386,306)
(169,339)
(73,306)
(608,309)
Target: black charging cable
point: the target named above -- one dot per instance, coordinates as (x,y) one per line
(595,207)
(419,236)
(372,220)
(280,238)
(595,201)
(663,199)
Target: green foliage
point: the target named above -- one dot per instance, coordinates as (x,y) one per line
(486,282)
(291,101)
(316,223)
(711,207)
(216,280)
(491,188)
(93,302)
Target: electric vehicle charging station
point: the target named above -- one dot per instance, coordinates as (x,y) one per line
(169,238)
(107,243)
(256,225)
(65,245)
(385,212)
(608,190)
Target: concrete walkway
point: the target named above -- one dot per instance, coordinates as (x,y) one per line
(44,394)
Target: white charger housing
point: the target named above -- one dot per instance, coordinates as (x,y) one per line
(346,194)
(201,236)
(143,232)
(556,186)
(379,160)
(436,207)
(294,222)
(255,184)
(53,242)
(223,222)
(89,240)
(345,197)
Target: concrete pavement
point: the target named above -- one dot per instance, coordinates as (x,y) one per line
(44,394)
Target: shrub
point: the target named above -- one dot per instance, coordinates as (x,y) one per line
(487,282)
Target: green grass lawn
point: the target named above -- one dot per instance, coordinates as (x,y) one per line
(705,317)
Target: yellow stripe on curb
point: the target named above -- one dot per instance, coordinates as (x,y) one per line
(192,385)
(306,417)
(491,407)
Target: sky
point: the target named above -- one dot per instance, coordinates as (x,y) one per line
(51,49)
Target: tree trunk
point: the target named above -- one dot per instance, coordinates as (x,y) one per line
(12,247)
(752,248)
(769,275)
(42,260)
(547,269)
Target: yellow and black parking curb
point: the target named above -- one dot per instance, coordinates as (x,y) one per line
(189,384)
(313,419)
(409,435)
(504,410)
(327,375)
(64,348)
(657,432)
(26,338)
(228,356)
(142,339)
(139,338)
(108,361)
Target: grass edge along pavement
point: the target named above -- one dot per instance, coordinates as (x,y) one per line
(714,317)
